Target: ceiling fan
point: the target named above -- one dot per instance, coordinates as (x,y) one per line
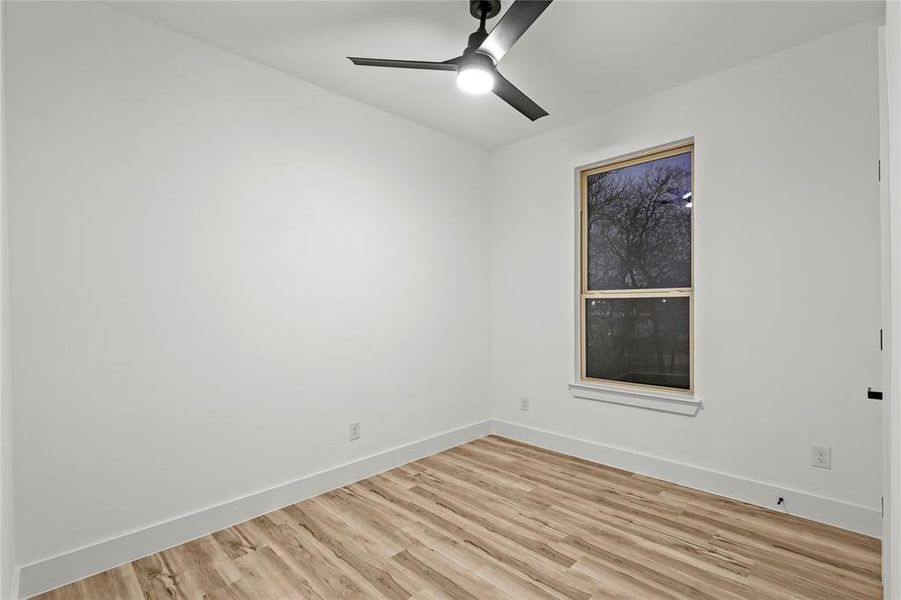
(476,68)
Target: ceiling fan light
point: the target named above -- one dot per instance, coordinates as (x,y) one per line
(475,80)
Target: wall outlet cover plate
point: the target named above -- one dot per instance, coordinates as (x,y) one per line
(821,457)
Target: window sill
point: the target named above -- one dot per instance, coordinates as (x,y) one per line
(648,399)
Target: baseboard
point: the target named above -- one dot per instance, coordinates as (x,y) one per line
(65,568)
(817,508)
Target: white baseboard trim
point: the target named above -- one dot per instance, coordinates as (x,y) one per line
(65,568)
(817,508)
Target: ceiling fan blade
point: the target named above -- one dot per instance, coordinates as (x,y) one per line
(510,94)
(404,64)
(518,18)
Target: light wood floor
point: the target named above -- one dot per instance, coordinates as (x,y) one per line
(499,519)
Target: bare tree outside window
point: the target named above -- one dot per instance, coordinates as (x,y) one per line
(638,340)
(636,289)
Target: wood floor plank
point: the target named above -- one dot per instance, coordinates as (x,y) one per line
(514,583)
(326,533)
(313,564)
(499,519)
(461,577)
(156,578)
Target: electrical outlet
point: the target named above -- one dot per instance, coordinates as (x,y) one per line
(524,404)
(354,433)
(822,457)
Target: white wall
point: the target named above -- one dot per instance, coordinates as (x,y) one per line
(7,523)
(215,268)
(787,271)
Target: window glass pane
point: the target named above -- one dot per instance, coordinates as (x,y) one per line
(638,340)
(639,225)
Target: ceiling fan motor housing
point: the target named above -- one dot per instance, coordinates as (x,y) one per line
(471,58)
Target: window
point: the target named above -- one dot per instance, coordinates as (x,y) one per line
(636,271)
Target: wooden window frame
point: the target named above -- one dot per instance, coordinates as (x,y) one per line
(636,158)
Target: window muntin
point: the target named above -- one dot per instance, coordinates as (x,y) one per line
(636,292)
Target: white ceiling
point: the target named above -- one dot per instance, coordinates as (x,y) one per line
(579,59)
